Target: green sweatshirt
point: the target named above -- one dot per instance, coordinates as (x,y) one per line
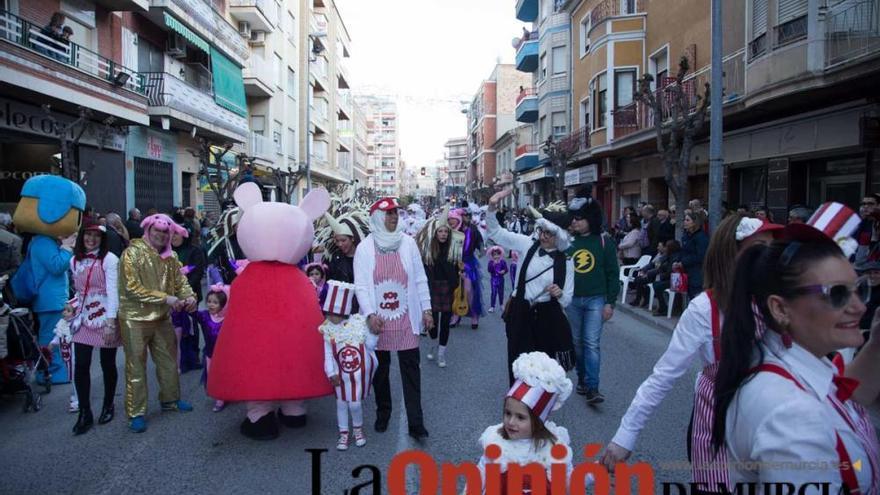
(596,271)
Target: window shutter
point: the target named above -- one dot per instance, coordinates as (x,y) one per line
(759,18)
(791,9)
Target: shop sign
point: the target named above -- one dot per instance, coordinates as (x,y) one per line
(582,175)
(20,175)
(531,175)
(151,144)
(31,119)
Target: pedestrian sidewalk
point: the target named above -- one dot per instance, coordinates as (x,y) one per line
(668,325)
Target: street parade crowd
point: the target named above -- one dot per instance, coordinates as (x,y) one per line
(779,317)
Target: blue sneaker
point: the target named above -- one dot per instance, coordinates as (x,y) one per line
(177,405)
(137,424)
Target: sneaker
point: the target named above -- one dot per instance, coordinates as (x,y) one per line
(342,442)
(581,389)
(359,438)
(431,352)
(73,405)
(441,361)
(595,397)
(137,424)
(219,405)
(177,405)
(492,309)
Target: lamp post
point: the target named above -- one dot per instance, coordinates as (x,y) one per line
(315,49)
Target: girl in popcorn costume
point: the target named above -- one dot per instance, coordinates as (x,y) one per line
(349,359)
(525,435)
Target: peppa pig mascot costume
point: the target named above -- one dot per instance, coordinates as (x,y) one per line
(270,352)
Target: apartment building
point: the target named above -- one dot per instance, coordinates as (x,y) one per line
(384,165)
(490,115)
(798,110)
(361,155)
(456,159)
(329,144)
(544,52)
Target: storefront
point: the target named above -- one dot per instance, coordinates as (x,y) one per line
(536,186)
(150,163)
(29,146)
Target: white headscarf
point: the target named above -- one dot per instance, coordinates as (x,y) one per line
(385,241)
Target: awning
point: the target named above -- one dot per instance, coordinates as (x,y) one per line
(228,84)
(184,31)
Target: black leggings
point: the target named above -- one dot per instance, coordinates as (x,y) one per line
(441,321)
(82,358)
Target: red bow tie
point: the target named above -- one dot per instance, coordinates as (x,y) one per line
(91,256)
(845,386)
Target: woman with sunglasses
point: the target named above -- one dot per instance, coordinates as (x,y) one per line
(696,337)
(784,412)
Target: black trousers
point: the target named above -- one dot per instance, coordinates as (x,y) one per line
(441,321)
(410,376)
(82,357)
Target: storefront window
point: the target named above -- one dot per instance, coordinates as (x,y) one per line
(837,179)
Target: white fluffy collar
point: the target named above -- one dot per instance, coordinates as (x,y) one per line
(352,331)
(523,452)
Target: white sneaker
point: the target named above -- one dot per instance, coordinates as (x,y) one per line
(492,309)
(73,406)
(342,442)
(441,357)
(432,349)
(359,438)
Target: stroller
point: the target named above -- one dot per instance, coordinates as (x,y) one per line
(21,357)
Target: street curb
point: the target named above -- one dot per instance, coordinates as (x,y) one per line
(659,322)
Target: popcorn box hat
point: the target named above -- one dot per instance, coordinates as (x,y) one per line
(540,384)
(339,298)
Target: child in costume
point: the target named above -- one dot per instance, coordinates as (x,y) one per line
(349,359)
(210,320)
(525,435)
(63,341)
(497,271)
(514,260)
(317,274)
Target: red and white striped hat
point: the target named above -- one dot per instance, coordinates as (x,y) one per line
(385,204)
(339,298)
(834,221)
(540,384)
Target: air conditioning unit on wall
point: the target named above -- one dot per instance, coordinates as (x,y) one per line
(258,38)
(176,46)
(244,28)
(609,168)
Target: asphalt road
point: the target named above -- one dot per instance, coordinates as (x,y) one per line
(203,452)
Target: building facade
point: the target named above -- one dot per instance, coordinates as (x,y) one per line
(383,148)
(457,164)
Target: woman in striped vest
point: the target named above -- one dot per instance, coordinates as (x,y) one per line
(785,412)
(697,334)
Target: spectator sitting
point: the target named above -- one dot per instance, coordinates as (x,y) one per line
(763,213)
(664,274)
(629,249)
(661,264)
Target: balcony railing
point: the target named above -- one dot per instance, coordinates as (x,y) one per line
(166,90)
(260,68)
(260,146)
(526,93)
(28,35)
(576,142)
(216,24)
(612,8)
(523,149)
(852,31)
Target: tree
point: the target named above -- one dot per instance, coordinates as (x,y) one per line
(221,179)
(285,183)
(677,117)
(559,152)
(69,135)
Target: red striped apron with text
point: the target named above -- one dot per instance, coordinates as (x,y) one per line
(707,466)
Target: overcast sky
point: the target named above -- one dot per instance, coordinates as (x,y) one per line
(428,55)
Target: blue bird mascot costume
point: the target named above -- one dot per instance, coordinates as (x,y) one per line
(51,209)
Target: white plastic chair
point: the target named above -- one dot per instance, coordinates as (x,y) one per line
(627,274)
(672,301)
(650,296)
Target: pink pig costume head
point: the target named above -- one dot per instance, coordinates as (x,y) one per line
(270,231)
(163,223)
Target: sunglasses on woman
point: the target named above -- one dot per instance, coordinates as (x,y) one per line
(838,296)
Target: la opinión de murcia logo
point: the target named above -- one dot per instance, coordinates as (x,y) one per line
(441,478)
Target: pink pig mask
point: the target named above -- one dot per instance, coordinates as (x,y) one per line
(164,223)
(272,231)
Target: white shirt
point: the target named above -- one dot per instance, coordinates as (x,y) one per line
(771,420)
(536,290)
(691,337)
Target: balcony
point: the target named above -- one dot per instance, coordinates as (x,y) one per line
(207,23)
(342,73)
(526,157)
(343,102)
(124,5)
(527,106)
(852,32)
(575,143)
(318,73)
(258,77)
(527,10)
(260,14)
(68,72)
(319,115)
(261,147)
(186,106)
(527,53)
(615,8)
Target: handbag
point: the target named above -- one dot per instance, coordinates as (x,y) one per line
(678,281)
(459,302)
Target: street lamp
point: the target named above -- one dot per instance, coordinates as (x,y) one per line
(315,49)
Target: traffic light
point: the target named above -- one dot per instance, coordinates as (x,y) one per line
(423,170)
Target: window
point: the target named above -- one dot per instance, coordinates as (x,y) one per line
(543,66)
(627,6)
(279,76)
(291,143)
(758,43)
(276,137)
(586,24)
(624,87)
(291,30)
(659,67)
(542,129)
(791,23)
(585,113)
(558,121)
(258,124)
(291,83)
(600,97)
(560,60)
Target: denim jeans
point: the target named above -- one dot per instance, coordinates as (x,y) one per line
(585,317)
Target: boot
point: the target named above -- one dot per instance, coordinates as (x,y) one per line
(266,428)
(84,422)
(441,356)
(107,413)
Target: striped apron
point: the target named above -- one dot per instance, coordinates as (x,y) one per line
(861,426)
(356,367)
(707,466)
